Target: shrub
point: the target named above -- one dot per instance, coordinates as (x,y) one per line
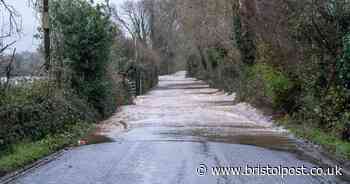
(266,85)
(85,38)
(34,112)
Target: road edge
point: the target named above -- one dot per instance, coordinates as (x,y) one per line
(8,178)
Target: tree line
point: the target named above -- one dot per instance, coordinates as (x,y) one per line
(290,56)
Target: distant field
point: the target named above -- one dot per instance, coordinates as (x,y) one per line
(20,80)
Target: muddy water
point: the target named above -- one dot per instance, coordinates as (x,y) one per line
(186,109)
(170,132)
(97,139)
(2,173)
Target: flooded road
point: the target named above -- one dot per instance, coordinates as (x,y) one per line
(181,133)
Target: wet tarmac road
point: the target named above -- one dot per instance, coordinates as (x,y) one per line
(175,135)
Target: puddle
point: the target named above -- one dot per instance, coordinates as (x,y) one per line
(259,137)
(238,135)
(2,173)
(97,139)
(265,141)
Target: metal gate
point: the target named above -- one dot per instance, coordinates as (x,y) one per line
(132,88)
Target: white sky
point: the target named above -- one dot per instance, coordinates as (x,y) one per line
(30,24)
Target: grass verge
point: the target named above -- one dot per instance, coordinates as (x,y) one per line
(27,152)
(330,142)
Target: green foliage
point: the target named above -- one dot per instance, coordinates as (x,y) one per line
(86,38)
(215,56)
(322,33)
(276,82)
(23,153)
(302,67)
(332,107)
(39,119)
(101,94)
(266,85)
(192,66)
(327,139)
(329,111)
(149,78)
(35,112)
(223,73)
(26,152)
(311,80)
(344,63)
(82,40)
(244,41)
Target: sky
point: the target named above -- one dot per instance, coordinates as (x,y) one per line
(30,22)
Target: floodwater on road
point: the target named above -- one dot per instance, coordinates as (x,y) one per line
(181,133)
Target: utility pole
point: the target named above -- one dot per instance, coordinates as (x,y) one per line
(136,49)
(46,28)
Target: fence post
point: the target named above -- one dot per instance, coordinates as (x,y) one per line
(137,77)
(140,79)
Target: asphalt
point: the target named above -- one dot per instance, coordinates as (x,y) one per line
(176,134)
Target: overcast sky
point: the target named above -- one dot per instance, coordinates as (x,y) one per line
(30,24)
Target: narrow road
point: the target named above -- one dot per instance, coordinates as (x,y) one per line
(176,134)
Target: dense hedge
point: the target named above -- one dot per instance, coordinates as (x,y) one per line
(34,112)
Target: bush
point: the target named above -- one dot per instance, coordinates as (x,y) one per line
(192,66)
(35,112)
(86,39)
(101,94)
(266,85)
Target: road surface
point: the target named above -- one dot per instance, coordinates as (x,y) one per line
(176,134)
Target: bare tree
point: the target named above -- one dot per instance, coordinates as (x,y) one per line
(134,18)
(9,69)
(11,24)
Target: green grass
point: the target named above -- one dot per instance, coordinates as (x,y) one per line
(327,140)
(27,152)
(24,153)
